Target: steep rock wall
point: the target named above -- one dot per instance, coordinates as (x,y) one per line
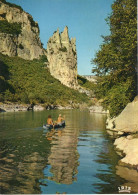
(25,44)
(62,57)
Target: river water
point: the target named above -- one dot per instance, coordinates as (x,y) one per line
(78,159)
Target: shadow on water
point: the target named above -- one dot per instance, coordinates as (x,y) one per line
(130,176)
(116,176)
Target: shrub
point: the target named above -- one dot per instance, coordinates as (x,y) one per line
(85,83)
(10,28)
(32,83)
(63,49)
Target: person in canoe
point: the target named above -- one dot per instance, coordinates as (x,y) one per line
(50,121)
(60,119)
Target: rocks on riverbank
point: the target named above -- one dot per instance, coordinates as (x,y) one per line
(98,109)
(15,107)
(125,129)
(129,146)
(9,107)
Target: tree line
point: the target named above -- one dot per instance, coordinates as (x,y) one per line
(116,61)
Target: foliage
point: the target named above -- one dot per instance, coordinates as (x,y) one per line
(85,83)
(3,15)
(115,62)
(63,49)
(33,23)
(10,28)
(30,82)
(43,58)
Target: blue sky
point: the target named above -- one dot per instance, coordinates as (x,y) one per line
(84,18)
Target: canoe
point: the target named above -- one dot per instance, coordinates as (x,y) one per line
(60,125)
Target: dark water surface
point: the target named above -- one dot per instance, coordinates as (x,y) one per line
(78,159)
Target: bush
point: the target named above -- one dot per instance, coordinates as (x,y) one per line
(34,84)
(10,28)
(85,83)
(63,49)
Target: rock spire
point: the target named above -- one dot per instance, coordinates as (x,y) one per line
(62,57)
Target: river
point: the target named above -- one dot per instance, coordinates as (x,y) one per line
(78,159)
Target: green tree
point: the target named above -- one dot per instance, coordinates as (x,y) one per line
(115,62)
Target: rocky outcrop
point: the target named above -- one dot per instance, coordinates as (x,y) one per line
(10,107)
(127,121)
(125,129)
(15,107)
(8,44)
(38,108)
(26,43)
(98,109)
(129,146)
(91,78)
(62,57)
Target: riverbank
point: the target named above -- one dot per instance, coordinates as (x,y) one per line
(124,129)
(16,107)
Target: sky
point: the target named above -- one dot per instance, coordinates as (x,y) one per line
(85,20)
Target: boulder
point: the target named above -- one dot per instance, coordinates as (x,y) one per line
(98,109)
(10,107)
(129,146)
(127,121)
(38,108)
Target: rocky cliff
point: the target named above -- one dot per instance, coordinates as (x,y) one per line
(19,33)
(62,57)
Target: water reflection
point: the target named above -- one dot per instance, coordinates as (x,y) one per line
(131,177)
(21,163)
(79,157)
(63,157)
(20,177)
(110,181)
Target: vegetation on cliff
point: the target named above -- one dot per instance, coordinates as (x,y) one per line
(10,28)
(83,82)
(31,82)
(115,62)
(11,5)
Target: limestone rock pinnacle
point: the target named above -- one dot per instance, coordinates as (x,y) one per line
(62,57)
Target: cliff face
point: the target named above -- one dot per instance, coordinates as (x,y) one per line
(62,57)
(19,34)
